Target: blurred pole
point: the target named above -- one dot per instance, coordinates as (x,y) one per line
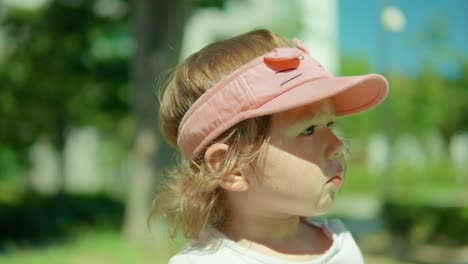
(391,20)
(157,27)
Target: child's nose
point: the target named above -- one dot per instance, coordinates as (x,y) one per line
(335,146)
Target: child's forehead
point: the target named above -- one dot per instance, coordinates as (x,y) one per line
(307,112)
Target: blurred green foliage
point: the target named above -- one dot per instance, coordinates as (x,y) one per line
(36,220)
(101,246)
(427,223)
(66,66)
(427,101)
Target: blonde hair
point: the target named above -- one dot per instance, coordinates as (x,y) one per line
(190,196)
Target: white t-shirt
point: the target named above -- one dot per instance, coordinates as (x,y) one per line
(223,250)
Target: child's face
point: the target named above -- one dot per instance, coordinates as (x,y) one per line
(297,167)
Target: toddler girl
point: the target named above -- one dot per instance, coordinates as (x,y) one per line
(252,117)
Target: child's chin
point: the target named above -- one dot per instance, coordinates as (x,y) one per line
(317,213)
(325,207)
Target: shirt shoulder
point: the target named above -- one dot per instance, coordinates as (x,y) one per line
(348,250)
(344,250)
(213,253)
(179,259)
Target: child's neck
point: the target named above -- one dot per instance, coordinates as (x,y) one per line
(282,237)
(262,228)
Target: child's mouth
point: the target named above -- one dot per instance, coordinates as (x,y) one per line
(335,181)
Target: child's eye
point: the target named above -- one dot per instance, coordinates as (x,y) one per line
(308,131)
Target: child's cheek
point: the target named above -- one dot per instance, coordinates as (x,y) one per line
(305,148)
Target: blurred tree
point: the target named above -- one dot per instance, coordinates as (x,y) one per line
(158,30)
(436,100)
(55,76)
(455,118)
(67,65)
(363,125)
(424,102)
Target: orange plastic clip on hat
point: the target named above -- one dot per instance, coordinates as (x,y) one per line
(283,79)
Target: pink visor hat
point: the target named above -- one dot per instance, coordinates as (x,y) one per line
(283,79)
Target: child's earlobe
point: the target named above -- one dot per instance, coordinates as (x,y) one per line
(235,182)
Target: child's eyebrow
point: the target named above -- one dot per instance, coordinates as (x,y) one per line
(307,116)
(298,121)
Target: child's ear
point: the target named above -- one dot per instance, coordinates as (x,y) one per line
(236,181)
(214,155)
